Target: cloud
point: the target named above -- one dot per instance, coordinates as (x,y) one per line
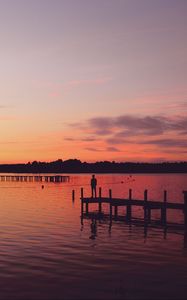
(142,125)
(80,82)
(167,142)
(108,149)
(177,106)
(127,125)
(69,139)
(93,149)
(88,139)
(54,94)
(117,141)
(112,149)
(159,131)
(84,139)
(103,132)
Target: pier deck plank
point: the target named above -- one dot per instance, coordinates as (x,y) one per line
(134,202)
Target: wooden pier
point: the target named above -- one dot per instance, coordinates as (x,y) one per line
(147,205)
(39,178)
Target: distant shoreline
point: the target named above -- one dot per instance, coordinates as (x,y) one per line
(99,173)
(74,166)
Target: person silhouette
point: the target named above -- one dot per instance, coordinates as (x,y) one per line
(93,186)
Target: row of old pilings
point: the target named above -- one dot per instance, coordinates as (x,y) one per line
(38,178)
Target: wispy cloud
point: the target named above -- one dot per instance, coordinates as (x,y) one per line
(92,149)
(84,139)
(127,125)
(81,82)
(107,149)
(112,149)
(167,142)
(157,131)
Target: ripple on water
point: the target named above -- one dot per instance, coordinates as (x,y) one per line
(45,252)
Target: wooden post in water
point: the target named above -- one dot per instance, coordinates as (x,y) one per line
(129,208)
(82,196)
(164,210)
(82,203)
(100,194)
(116,211)
(185,209)
(86,208)
(110,197)
(145,206)
(149,214)
(82,193)
(73,195)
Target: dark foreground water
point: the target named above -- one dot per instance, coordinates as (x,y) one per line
(46,253)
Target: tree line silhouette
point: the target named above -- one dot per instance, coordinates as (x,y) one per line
(76,166)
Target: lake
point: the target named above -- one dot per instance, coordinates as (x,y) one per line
(47,253)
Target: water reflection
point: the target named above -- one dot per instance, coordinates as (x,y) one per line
(93,227)
(95,217)
(46,254)
(185,238)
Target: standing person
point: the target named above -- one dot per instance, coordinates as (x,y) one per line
(93,186)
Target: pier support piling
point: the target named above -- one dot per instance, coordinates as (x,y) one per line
(86,208)
(100,195)
(149,215)
(110,197)
(145,206)
(82,203)
(185,209)
(129,207)
(116,211)
(73,195)
(163,210)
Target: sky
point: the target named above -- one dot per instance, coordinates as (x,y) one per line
(93,80)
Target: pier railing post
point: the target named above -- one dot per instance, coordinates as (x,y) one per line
(110,197)
(145,206)
(185,209)
(116,211)
(129,208)
(73,195)
(164,210)
(149,214)
(100,192)
(86,207)
(82,193)
(82,201)
(100,195)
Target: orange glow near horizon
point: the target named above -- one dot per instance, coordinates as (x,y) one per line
(23,153)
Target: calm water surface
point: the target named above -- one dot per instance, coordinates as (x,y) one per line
(46,253)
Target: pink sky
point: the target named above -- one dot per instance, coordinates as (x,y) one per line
(93,80)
